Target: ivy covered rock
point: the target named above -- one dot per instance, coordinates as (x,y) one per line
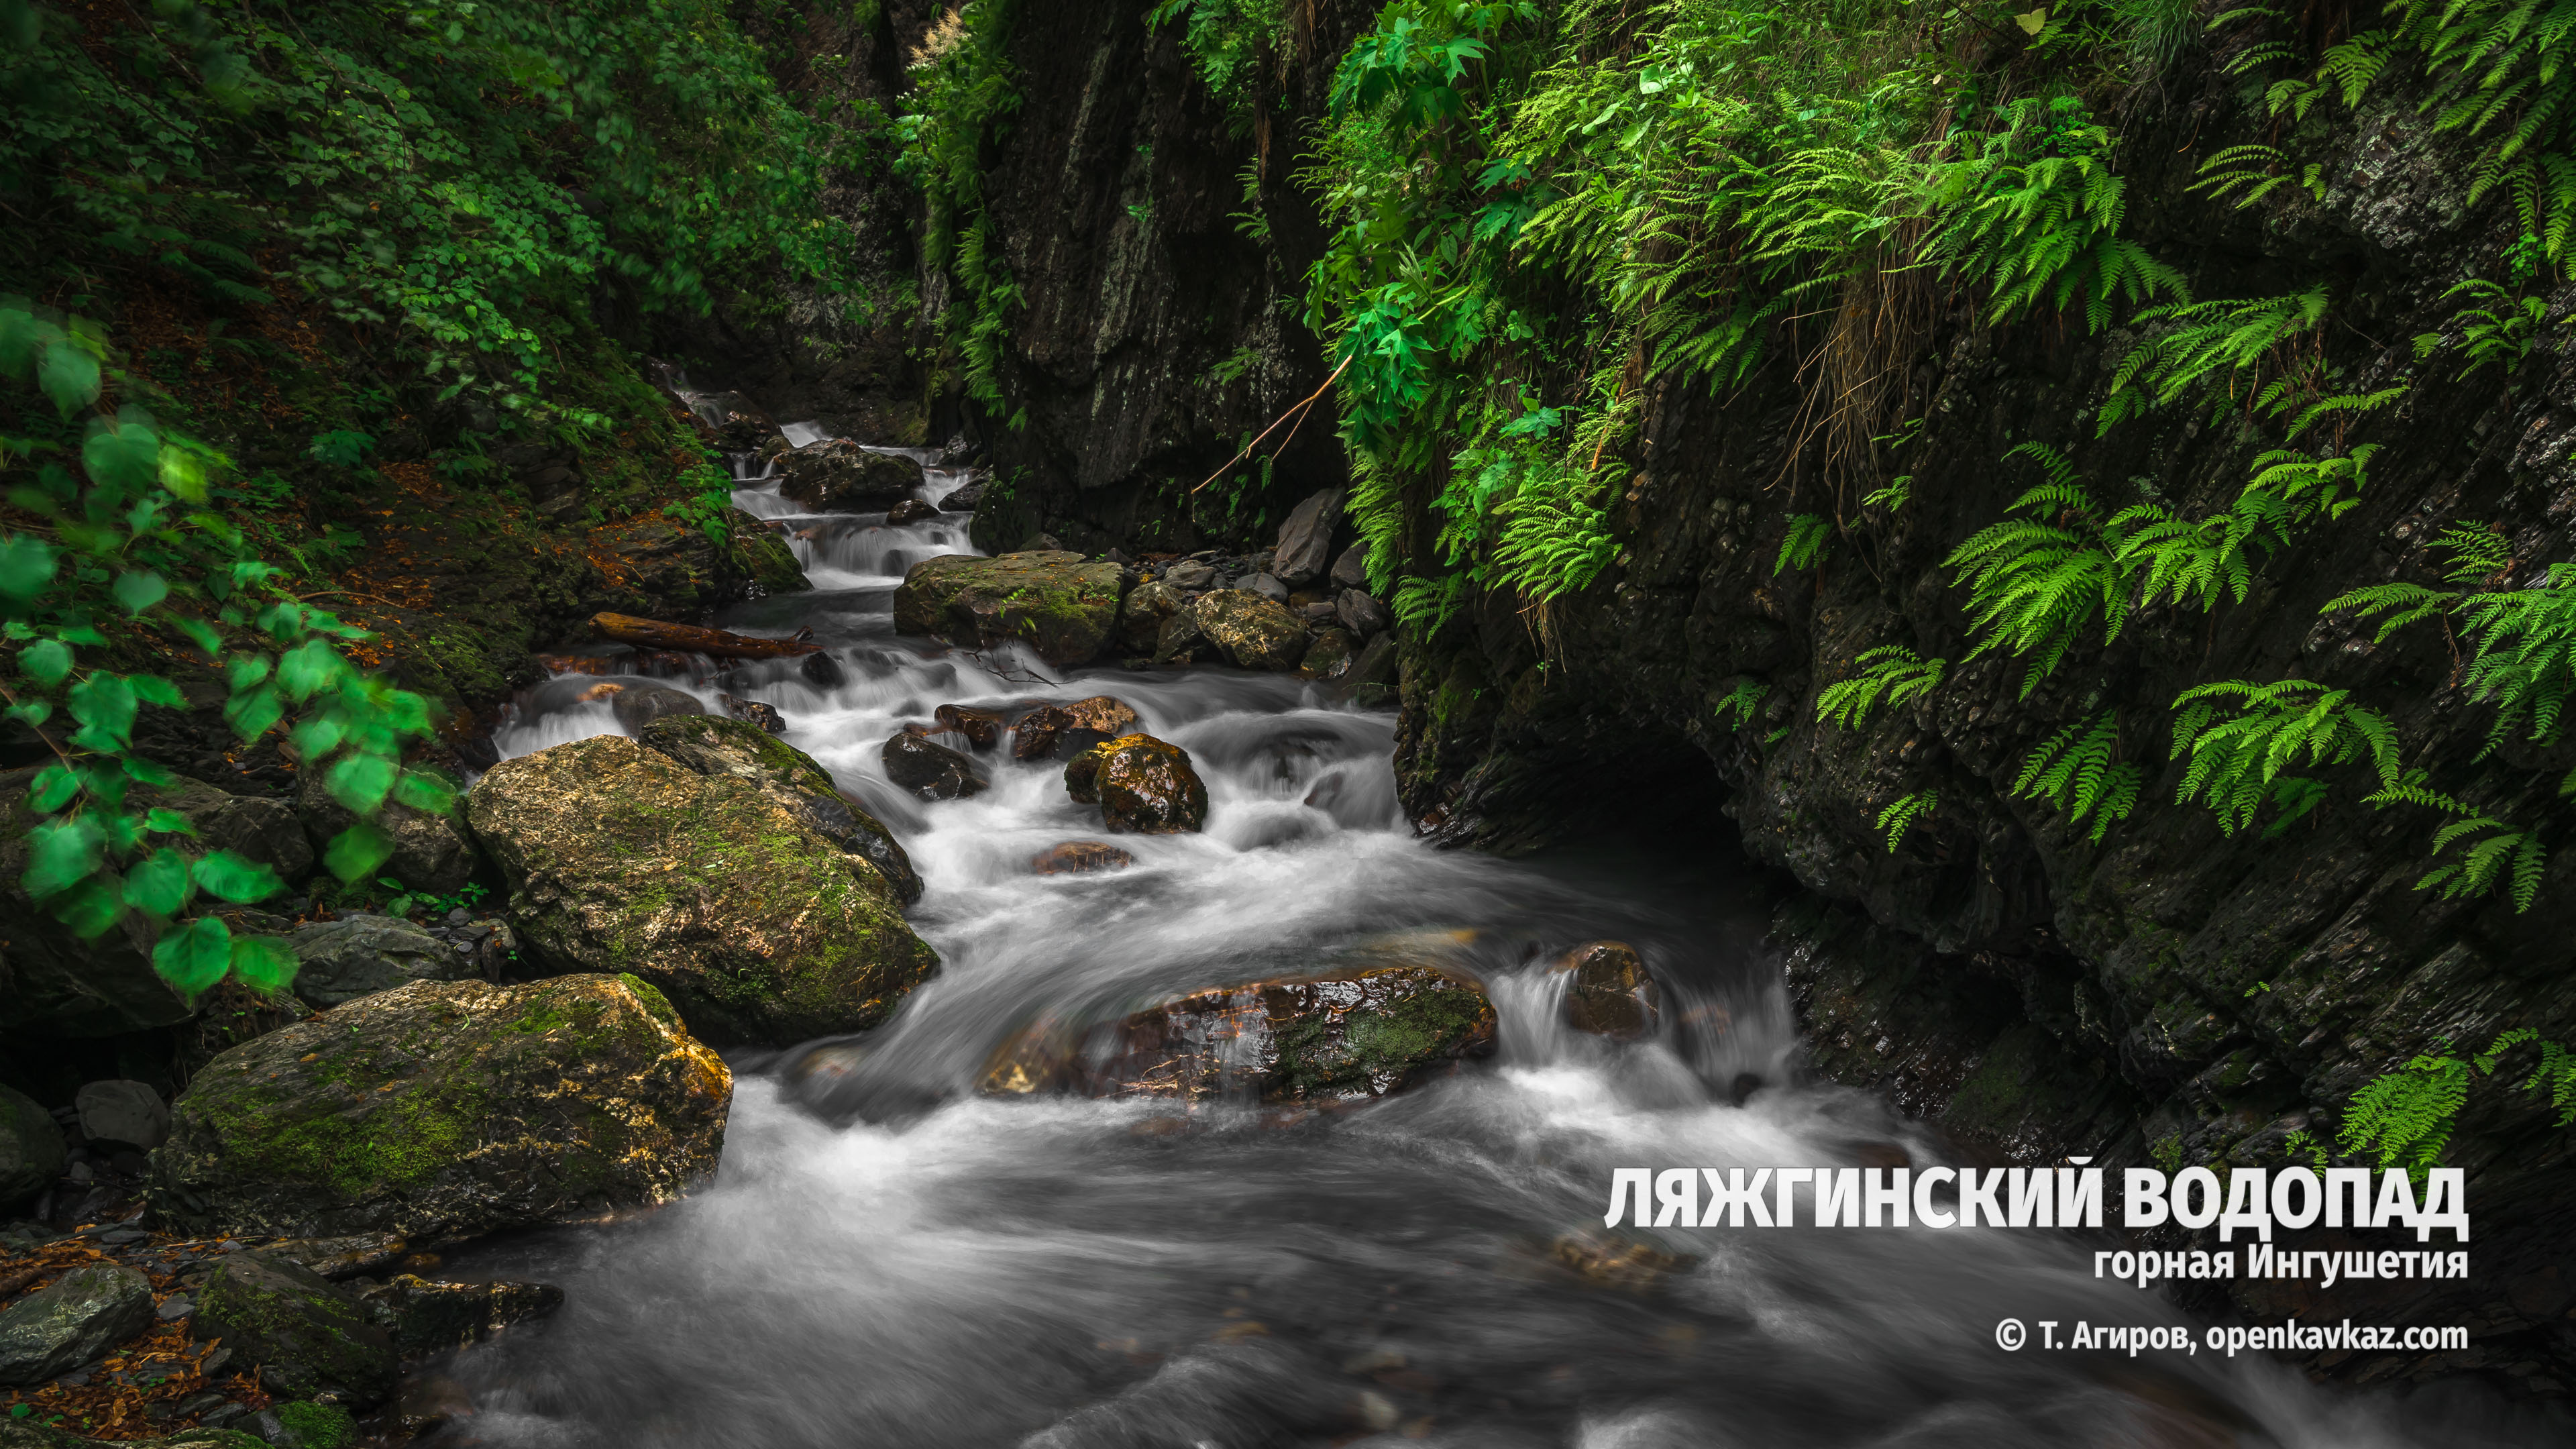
(308,1335)
(1343,1037)
(1060,606)
(756,923)
(715,746)
(444,1109)
(1253,632)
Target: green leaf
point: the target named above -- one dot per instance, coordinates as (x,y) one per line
(63,853)
(264,963)
(168,822)
(160,885)
(422,791)
(124,457)
(195,956)
(230,877)
(253,712)
(26,566)
(46,661)
(104,704)
(52,789)
(69,375)
(357,851)
(90,908)
(201,634)
(360,781)
(140,590)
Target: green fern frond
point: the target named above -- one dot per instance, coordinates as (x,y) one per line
(1891,674)
(2237,739)
(1809,538)
(2405,1118)
(1900,816)
(2076,769)
(1742,701)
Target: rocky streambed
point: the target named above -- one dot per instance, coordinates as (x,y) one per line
(1021,1012)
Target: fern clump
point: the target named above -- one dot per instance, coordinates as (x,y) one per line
(2405,1118)
(2036,582)
(2238,738)
(1904,812)
(1891,674)
(2078,770)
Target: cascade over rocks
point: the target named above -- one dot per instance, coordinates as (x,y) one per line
(1321,1039)
(759,926)
(933,772)
(446,1109)
(1611,993)
(1056,603)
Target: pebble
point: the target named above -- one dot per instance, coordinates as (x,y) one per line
(174,1308)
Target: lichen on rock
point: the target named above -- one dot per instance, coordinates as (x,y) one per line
(1053,601)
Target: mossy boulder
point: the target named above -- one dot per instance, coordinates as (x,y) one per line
(715,746)
(308,1335)
(758,925)
(32,1150)
(28,1434)
(305,1424)
(444,1109)
(1144,786)
(73,1320)
(1061,607)
(839,475)
(1253,632)
(1342,1037)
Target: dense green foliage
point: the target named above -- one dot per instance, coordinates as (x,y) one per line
(962,95)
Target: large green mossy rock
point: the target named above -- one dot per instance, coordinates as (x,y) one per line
(308,1335)
(756,924)
(1054,602)
(716,745)
(444,1109)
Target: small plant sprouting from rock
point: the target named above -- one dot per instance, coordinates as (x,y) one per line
(1902,814)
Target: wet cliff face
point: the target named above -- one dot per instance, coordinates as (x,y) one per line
(2171,987)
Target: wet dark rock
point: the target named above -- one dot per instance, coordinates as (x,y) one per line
(313,1336)
(425,1316)
(430,852)
(75,1319)
(1624,1263)
(447,1109)
(1179,640)
(752,711)
(1330,1038)
(1374,665)
(911,510)
(838,476)
(1043,733)
(360,955)
(1190,575)
(699,877)
(1059,604)
(980,728)
(1361,613)
(32,1150)
(354,1255)
(258,828)
(1253,632)
(124,1112)
(791,780)
(1350,571)
(822,671)
(1611,993)
(1144,786)
(964,499)
(1076,857)
(1267,587)
(1330,656)
(1306,539)
(1142,613)
(933,772)
(638,705)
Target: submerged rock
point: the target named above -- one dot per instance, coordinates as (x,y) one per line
(1075,857)
(638,705)
(933,772)
(1611,993)
(32,1150)
(1059,605)
(792,780)
(1043,733)
(1144,786)
(837,475)
(444,1109)
(425,1316)
(760,926)
(1253,632)
(1345,1037)
(71,1321)
(309,1336)
(360,955)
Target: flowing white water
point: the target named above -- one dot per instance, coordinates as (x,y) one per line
(887,1259)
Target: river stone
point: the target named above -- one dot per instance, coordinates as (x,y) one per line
(933,772)
(258,828)
(1044,732)
(1059,605)
(1143,786)
(123,1111)
(424,1316)
(1361,613)
(1077,857)
(1267,587)
(32,1150)
(1341,1037)
(1350,571)
(837,475)
(1330,656)
(758,926)
(638,705)
(430,854)
(445,1109)
(752,711)
(359,955)
(1306,539)
(791,779)
(981,728)
(1142,612)
(1611,993)
(71,1321)
(1190,575)
(308,1335)
(1253,632)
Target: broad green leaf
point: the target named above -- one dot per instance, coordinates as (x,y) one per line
(69,375)
(34,711)
(20,333)
(317,737)
(264,963)
(155,689)
(168,822)
(307,668)
(144,772)
(140,590)
(26,566)
(248,670)
(104,704)
(230,877)
(201,634)
(422,791)
(184,472)
(124,457)
(357,851)
(253,713)
(52,789)
(63,853)
(91,908)
(195,956)
(360,782)
(46,661)
(159,885)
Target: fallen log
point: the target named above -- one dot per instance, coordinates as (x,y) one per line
(687,638)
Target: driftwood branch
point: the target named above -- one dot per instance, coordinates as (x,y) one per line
(688,639)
